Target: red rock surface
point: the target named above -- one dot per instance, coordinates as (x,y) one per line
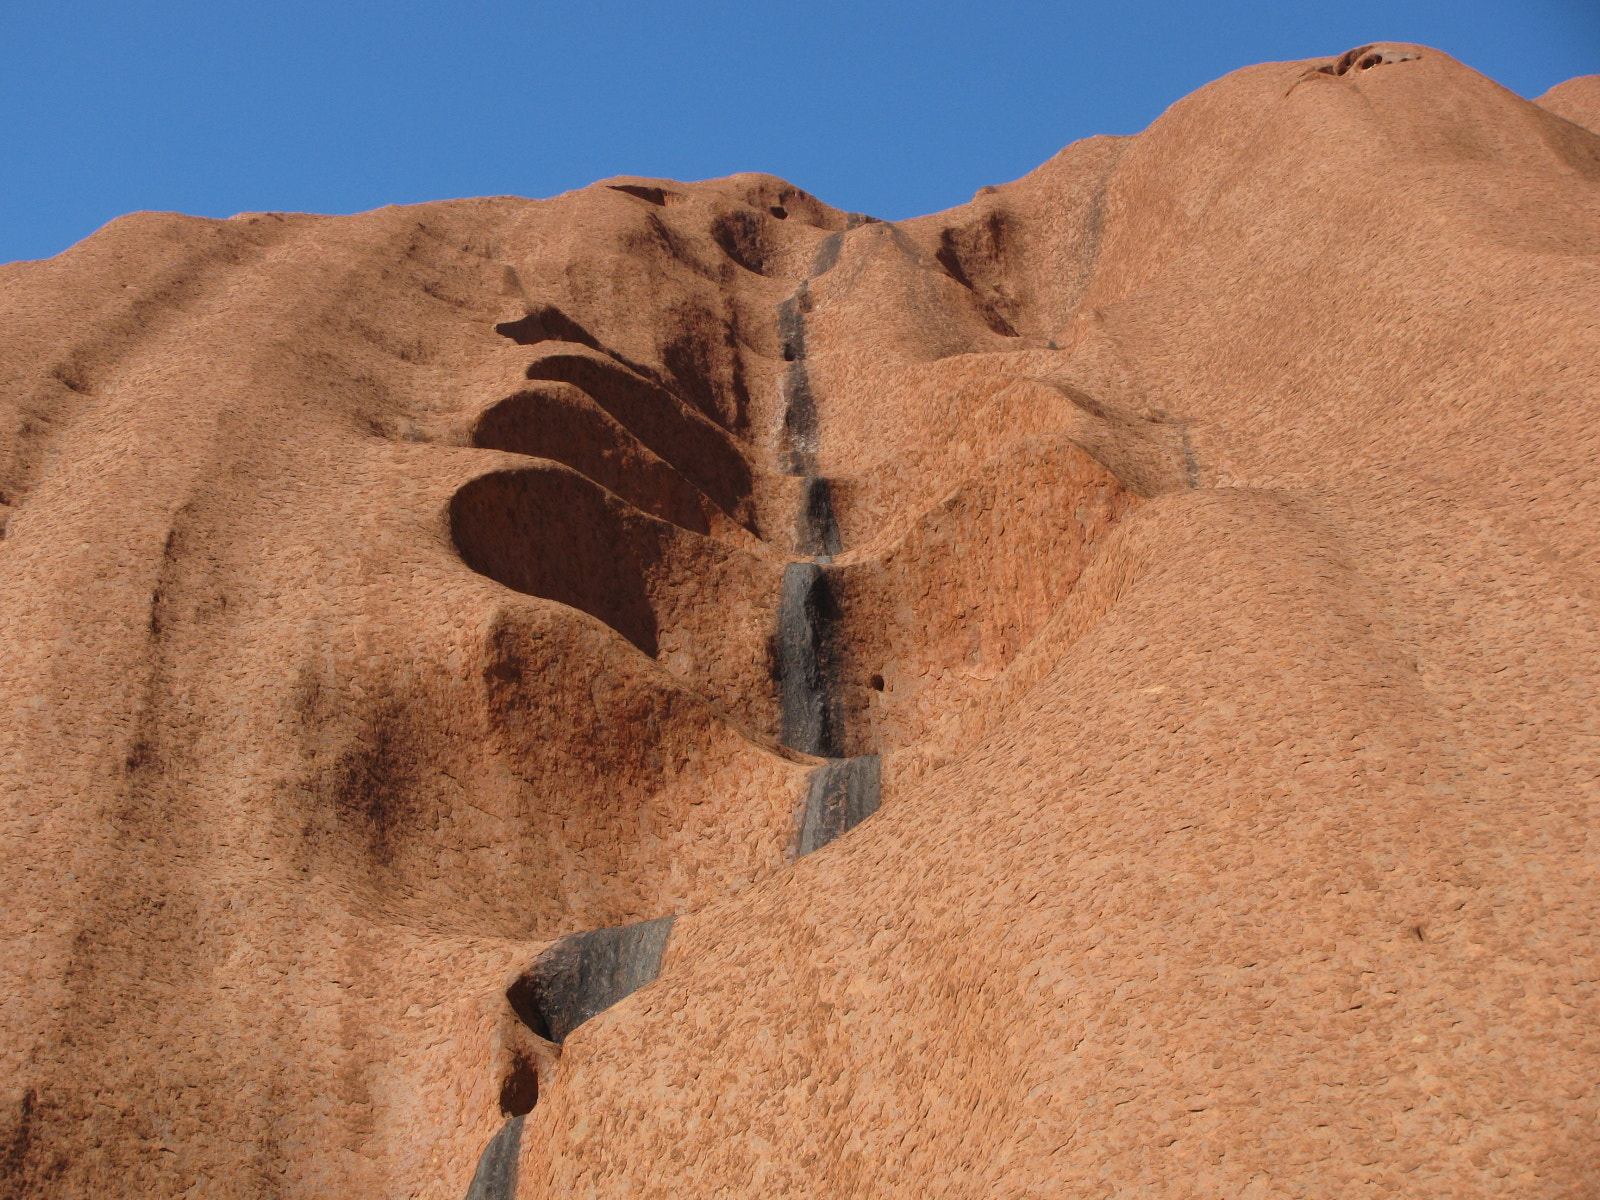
(1578,100)
(1217,582)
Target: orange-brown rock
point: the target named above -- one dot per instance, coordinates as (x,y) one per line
(1200,530)
(1578,100)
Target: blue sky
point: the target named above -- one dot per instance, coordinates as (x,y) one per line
(882,106)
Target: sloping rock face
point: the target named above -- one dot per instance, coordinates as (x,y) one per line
(1103,678)
(1578,100)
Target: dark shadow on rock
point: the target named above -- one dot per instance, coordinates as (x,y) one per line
(550,532)
(496,1176)
(585,974)
(546,324)
(839,796)
(561,422)
(696,447)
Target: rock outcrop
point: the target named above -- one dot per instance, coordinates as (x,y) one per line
(1102,679)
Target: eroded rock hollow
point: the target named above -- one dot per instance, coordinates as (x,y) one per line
(679,690)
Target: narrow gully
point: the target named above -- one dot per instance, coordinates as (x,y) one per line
(846,791)
(585,973)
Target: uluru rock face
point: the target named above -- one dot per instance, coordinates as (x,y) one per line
(1102,679)
(1578,100)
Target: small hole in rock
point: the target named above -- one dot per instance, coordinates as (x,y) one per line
(519,1092)
(877,683)
(1372,60)
(778,211)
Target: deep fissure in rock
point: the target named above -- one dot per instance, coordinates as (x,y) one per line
(586,973)
(840,796)
(496,1176)
(846,790)
(807,700)
(816,530)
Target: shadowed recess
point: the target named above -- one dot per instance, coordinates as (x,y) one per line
(546,323)
(585,974)
(551,533)
(1364,58)
(697,448)
(561,422)
(659,196)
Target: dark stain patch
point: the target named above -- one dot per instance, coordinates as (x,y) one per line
(792,325)
(19,1145)
(519,1090)
(141,757)
(839,796)
(743,238)
(496,1176)
(799,422)
(800,403)
(816,530)
(800,432)
(72,377)
(586,973)
(807,615)
(26,1169)
(827,257)
(373,784)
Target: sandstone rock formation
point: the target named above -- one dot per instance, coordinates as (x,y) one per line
(1159,598)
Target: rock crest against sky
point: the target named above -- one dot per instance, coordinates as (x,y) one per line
(1102,678)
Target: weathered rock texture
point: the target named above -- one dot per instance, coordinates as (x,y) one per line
(1203,536)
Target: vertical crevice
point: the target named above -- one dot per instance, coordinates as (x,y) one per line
(799,452)
(816,531)
(585,974)
(496,1176)
(811,716)
(839,796)
(846,790)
